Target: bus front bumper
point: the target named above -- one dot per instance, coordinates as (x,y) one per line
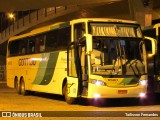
(116,92)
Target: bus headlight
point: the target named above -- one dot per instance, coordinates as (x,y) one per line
(143,82)
(98,82)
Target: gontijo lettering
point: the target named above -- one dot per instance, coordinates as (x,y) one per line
(26,62)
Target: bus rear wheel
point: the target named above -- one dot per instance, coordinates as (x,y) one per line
(69,100)
(16,86)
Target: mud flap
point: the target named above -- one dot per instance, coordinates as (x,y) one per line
(72,86)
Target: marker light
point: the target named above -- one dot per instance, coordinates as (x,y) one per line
(96,95)
(142,95)
(143,82)
(98,82)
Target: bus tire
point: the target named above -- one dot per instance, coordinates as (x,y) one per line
(69,100)
(17,86)
(22,87)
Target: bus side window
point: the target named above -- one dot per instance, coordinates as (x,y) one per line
(31,46)
(51,41)
(40,44)
(63,38)
(23,47)
(37,45)
(13,48)
(23,50)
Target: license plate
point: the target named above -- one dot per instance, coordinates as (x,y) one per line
(122,91)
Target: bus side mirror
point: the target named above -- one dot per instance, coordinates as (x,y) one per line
(153,46)
(88,43)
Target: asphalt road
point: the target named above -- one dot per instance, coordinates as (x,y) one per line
(49,105)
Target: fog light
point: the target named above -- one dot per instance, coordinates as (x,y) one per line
(96,95)
(142,95)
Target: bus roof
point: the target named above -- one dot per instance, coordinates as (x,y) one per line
(101,19)
(41,30)
(65,24)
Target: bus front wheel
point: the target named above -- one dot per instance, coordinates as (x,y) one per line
(69,100)
(22,87)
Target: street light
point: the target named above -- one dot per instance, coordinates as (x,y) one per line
(11,16)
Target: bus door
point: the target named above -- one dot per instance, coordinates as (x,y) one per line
(72,66)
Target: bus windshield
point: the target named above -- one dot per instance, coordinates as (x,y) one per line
(114,30)
(116,56)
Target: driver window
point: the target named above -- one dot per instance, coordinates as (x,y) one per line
(79,31)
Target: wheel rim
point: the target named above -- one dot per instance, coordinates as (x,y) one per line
(67,98)
(22,87)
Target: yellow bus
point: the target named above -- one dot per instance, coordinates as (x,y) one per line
(88,57)
(153,61)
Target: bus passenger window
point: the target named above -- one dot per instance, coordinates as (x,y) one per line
(40,44)
(11,48)
(23,50)
(51,41)
(37,45)
(31,46)
(23,47)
